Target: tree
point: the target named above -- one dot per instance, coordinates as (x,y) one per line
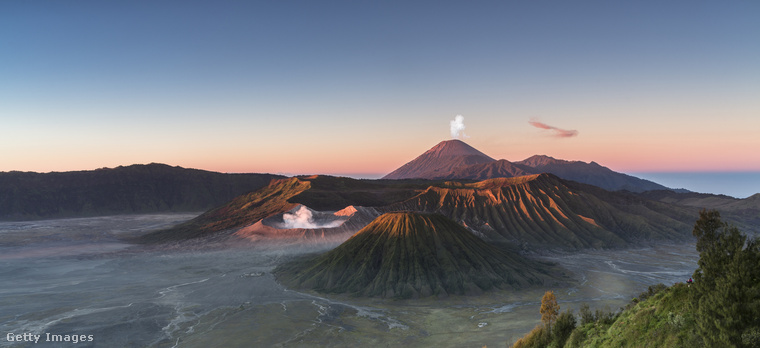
(726,284)
(549,308)
(563,327)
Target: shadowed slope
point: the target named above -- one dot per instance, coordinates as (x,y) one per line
(243,210)
(135,189)
(404,254)
(545,210)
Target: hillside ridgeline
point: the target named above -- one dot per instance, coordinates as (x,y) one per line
(135,189)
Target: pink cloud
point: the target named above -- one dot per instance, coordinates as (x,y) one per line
(558,132)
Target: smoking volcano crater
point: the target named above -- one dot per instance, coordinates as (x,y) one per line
(302,217)
(303,224)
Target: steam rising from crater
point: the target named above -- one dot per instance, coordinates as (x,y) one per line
(457,125)
(304,218)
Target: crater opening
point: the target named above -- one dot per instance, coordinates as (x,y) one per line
(302,217)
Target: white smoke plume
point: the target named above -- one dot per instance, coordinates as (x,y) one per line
(304,218)
(457,125)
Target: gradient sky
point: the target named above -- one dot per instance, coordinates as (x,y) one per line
(362,87)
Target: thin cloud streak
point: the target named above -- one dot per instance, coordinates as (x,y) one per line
(558,132)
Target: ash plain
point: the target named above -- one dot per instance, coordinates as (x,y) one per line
(78,277)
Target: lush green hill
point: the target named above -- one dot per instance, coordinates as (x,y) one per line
(662,320)
(721,308)
(134,189)
(404,255)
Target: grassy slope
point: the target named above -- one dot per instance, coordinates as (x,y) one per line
(663,320)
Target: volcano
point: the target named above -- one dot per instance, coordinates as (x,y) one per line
(533,211)
(320,228)
(440,160)
(455,160)
(410,255)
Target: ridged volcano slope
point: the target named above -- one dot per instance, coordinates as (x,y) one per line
(545,210)
(409,255)
(319,192)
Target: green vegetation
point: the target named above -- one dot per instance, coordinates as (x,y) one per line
(555,328)
(662,319)
(720,309)
(727,284)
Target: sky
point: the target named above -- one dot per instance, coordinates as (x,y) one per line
(359,87)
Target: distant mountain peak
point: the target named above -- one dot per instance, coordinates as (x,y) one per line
(541,160)
(454,147)
(439,160)
(455,159)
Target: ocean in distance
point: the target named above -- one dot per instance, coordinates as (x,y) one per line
(734,184)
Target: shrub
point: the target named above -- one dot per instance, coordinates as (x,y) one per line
(751,337)
(651,291)
(586,315)
(562,328)
(539,337)
(726,283)
(605,316)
